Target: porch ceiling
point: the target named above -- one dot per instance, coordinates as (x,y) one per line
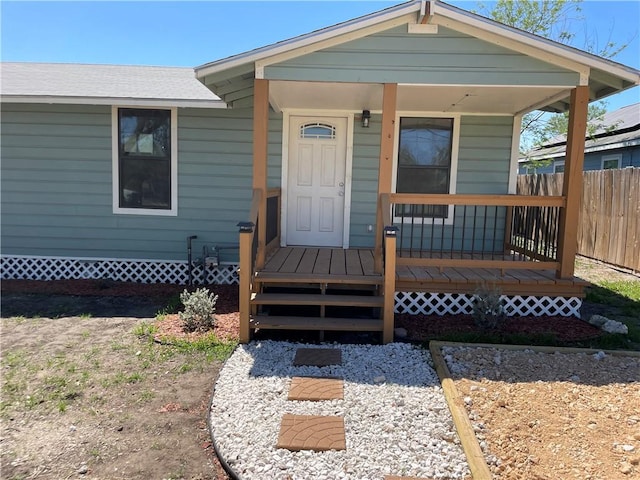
(428,98)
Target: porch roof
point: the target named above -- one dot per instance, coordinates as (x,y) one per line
(232,78)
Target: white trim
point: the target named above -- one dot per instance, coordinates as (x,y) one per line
(312,38)
(558,164)
(453,172)
(547,101)
(286,123)
(515,154)
(329,42)
(114,101)
(543,45)
(422,29)
(607,158)
(510,42)
(501,34)
(115,165)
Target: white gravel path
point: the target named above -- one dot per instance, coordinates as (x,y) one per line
(398,426)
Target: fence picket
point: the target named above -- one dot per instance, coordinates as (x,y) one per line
(609,228)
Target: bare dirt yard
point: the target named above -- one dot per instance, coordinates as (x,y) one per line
(88,391)
(572,416)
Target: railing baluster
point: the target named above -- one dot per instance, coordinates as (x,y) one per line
(495,228)
(473,235)
(441,238)
(484,231)
(422,231)
(464,226)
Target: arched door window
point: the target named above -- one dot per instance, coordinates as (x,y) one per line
(318,131)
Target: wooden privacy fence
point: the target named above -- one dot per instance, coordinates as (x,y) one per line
(609,223)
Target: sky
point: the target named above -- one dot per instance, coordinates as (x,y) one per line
(193,33)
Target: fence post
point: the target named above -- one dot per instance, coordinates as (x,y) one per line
(245,273)
(389,283)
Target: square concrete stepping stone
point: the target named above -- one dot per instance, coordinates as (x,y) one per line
(317,357)
(316,389)
(311,432)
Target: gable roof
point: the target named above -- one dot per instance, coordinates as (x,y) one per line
(617,129)
(104,85)
(605,76)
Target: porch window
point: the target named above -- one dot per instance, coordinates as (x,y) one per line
(145,167)
(424,162)
(558,167)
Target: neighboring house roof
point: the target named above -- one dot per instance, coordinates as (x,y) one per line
(104,84)
(617,129)
(602,73)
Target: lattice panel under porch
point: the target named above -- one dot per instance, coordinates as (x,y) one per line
(141,271)
(414,303)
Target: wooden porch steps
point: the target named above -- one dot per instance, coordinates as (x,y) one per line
(316,299)
(327,301)
(315,278)
(269,322)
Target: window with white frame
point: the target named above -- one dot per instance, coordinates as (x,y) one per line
(610,162)
(558,167)
(145,161)
(425,162)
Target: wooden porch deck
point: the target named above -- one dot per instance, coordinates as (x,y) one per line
(336,265)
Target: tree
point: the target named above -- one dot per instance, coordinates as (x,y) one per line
(555,20)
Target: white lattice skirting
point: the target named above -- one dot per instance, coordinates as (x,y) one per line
(415,303)
(141,271)
(176,272)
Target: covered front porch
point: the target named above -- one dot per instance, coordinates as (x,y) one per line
(384,168)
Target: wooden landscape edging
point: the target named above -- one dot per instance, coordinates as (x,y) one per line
(470,445)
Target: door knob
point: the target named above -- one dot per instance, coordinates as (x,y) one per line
(341,184)
(341,194)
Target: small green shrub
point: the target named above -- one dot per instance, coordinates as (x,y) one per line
(488,307)
(199,309)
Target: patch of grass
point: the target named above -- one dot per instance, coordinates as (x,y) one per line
(209,344)
(145,329)
(85,316)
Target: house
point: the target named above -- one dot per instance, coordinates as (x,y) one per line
(614,143)
(370,165)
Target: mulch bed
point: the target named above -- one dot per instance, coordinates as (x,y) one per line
(419,327)
(562,329)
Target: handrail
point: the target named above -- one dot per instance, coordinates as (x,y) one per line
(512,231)
(475,199)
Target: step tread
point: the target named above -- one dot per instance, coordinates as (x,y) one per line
(275,277)
(268,322)
(316,299)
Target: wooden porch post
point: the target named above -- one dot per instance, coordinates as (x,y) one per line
(260,142)
(389,293)
(385,169)
(572,185)
(245,273)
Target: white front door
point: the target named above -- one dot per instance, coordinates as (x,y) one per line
(316,181)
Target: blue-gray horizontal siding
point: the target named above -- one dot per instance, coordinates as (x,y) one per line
(57,193)
(395,56)
(364,182)
(484,159)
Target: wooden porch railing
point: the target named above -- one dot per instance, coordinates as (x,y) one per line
(480,231)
